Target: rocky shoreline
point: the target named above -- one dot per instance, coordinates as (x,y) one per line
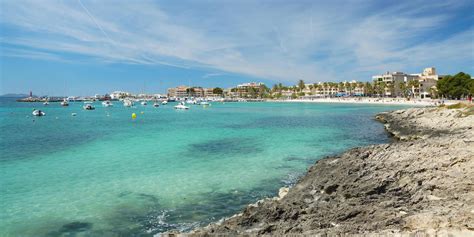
(423,183)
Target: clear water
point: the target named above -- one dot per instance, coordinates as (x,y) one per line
(102,173)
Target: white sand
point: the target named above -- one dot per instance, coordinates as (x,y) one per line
(367,100)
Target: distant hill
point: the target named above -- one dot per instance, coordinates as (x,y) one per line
(15,95)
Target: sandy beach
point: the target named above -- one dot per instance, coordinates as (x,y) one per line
(384,101)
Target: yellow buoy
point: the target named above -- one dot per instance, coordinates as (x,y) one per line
(134,116)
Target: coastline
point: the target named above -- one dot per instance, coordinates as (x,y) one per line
(381,101)
(421,183)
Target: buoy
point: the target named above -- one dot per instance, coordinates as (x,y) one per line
(134,116)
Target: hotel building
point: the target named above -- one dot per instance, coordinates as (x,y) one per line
(427,81)
(186,91)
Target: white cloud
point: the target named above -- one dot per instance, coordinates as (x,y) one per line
(287,41)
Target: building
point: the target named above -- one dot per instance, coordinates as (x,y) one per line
(425,86)
(119,95)
(427,82)
(392,82)
(251,89)
(178,92)
(185,91)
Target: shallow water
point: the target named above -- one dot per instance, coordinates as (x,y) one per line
(102,173)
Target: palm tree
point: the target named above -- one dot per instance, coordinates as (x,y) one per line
(391,88)
(301,85)
(380,88)
(275,88)
(368,89)
(403,87)
(414,84)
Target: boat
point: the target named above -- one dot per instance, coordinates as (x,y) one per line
(181,106)
(205,103)
(164,102)
(127,103)
(88,106)
(144,103)
(107,103)
(38,113)
(156,104)
(193,102)
(64,103)
(46,103)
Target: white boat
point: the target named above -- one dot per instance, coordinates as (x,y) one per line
(144,103)
(156,104)
(107,103)
(127,103)
(88,106)
(165,102)
(46,103)
(37,112)
(64,103)
(193,102)
(205,103)
(181,106)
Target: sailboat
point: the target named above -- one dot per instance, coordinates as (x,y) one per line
(64,102)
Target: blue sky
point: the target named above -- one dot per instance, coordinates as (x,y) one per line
(86,47)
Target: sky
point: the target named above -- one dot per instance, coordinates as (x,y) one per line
(85,47)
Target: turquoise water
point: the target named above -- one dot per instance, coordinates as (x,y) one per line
(102,173)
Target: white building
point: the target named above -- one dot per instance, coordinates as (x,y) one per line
(119,94)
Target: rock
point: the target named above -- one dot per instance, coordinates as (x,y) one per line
(380,189)
(282,192)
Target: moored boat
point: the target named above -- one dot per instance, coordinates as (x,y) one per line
(181,106)
(38,113)
(64,103)
(127,103)
(88,107)
(107,103)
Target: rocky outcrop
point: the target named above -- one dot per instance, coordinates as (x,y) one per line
(422,183)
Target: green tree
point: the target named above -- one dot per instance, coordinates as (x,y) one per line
(471,88)
(217,91)
(263,91)
(403,88)
(190,91)
(455,87)
(414,86)
(368,89)
(252,92)
(301,85)
(275,88)
(391,88)
(379,88)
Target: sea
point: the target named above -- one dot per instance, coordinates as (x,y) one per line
(102,173)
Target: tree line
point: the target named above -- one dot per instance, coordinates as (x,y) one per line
(455,87)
